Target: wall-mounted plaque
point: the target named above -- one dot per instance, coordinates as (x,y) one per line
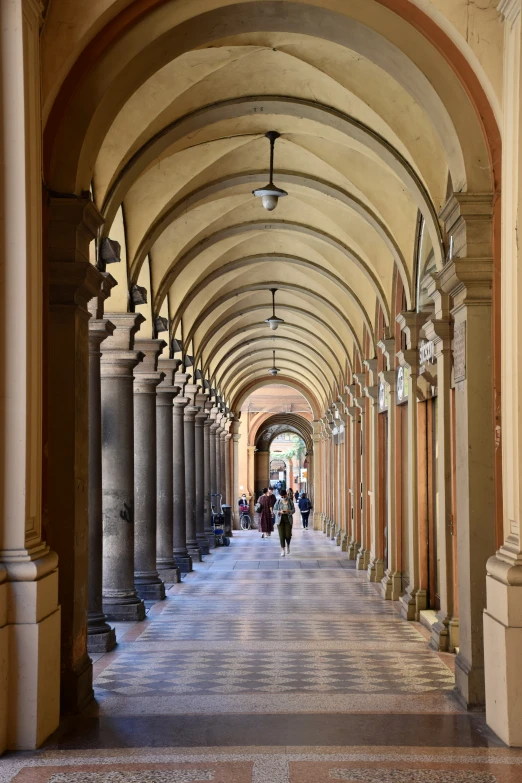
(459,352)
(384,396)
(403,384)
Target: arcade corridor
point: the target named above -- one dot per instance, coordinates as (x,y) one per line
(283,670)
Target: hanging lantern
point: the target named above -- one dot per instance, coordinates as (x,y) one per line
(273,370)
(273,321)
(270,194)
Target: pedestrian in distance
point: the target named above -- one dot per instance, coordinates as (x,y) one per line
(284,512)
(264,507)
(304,507)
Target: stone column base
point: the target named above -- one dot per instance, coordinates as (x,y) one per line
(375,570)
(353,549)
(344,543)
(444,634)
(362,560)
(211,538)
(31,645)
(408,605)
(184,563)
(333,531)
(101,642)
(391,586)
(203,545)
(170,575)
(126,611)
(195,554)
(151,591)
(76,688)
(469,683)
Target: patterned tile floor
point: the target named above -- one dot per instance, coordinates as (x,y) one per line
(259,669)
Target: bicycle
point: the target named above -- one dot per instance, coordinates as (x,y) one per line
(245,521)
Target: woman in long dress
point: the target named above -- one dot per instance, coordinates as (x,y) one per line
(266,522)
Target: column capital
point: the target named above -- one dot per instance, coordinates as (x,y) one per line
(468,280)
(126,326)
(467,219)
(410,359)
(151,350)
(373,393)
(73,283)
(97,304)
(191,391)
(180,402)
(181,380)
(74,221)
(411,324)
(99,330)
(387,348)
(388,377)
(168,367)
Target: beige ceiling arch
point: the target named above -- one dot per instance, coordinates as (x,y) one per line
(262,366)
(266,287)
(183,259)
(179,207)
(284,360)
(258,383)
(283,308)
(261,325)
(295,423)
(300,262)
(390,157)
(223,373)
(79,126)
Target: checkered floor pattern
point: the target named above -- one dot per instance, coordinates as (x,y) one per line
(274,672)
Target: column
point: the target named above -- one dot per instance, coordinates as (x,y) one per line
(181,554)
(363,555)
(468,279)
(119,358)
(316,493)
(376,563)
(101,637)
(207,456)
(414,598)
(30,622)
(445,632)
(212,457)
(354,544)
(146,378)
(73,281)
(201,494)
(235,469)
(217,444)
(228,440)
(165,392)
(503,617)
(391,583)
(189,419)
(223,472)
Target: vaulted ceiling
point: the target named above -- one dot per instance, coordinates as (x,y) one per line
(375,126)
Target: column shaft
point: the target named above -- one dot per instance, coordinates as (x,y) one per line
(201,536)
(165,393)
(209,531)
(120,599)
(101,637)
(146,577)
(181,554)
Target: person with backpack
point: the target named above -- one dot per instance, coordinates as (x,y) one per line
(304,507)
(284,510)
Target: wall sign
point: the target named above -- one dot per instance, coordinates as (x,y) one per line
(459,352)
(426,352)
(403,384)
(384,396)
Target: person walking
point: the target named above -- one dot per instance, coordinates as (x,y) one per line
(266,523)
(291,494)
(284,511)
(296,496)
(304,507)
